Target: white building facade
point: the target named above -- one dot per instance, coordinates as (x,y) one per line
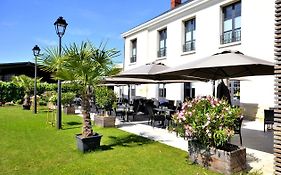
(199,28)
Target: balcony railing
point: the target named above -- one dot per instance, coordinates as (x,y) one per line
(133,59)
(162,52)
(188,46)
(231,36)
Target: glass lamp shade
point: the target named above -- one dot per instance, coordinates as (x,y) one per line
(60,26)
(36,50)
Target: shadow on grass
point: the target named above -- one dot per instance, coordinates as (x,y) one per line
(73,123)
(127,141)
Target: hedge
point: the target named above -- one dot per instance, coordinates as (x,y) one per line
(10,92)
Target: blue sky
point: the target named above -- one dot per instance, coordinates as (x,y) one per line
(24,23)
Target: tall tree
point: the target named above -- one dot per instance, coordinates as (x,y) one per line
(85,65)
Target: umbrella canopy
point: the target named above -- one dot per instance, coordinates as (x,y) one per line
(227,64)
(124,80)
(151,70)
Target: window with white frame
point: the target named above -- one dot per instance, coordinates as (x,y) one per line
(162,43)
(231,23)
(161,90)
(189,35)
(133,51)
(133,90)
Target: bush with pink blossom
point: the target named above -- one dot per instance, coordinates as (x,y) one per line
(208,120)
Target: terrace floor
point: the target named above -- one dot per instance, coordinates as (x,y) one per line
(259,144)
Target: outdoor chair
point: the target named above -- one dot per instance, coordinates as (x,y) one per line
(120,111)
(268,118)
(237,129)
(153,117)
(136,107)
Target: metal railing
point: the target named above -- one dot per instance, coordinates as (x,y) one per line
(231,36)
(188,46)
(161,52)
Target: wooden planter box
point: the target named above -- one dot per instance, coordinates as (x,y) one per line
(105,121)
(69,110)
(225,162)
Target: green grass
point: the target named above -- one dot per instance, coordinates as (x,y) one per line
(30,146)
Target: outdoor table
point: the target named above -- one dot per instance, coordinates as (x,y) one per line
(165,111)
(126,109)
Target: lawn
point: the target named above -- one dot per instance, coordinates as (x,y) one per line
(30,146)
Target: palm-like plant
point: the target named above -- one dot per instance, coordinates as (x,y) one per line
(84,65)
(26,83)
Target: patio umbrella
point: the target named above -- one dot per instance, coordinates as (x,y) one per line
(227,64)
(151,70)
(125,80)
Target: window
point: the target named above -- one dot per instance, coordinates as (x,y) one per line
(162,43)
(133,90)
(189,35)
(134,51)
(162,90)
(189,92)
(231,23)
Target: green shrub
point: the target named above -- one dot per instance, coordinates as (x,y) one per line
(105,97)
(67,98)
(208,120)
(10,92)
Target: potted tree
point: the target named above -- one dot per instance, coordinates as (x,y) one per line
(210,123)
(27,84)
(84,65)
(67,102)
(105,99)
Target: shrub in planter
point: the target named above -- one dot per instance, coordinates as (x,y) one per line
(210,123)
(27,84)
(67,101)
(85,65)
(106,99)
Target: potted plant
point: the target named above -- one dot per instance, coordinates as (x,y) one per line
(106,99)
(210,123)
(83,66)
(27,84)
(67,102)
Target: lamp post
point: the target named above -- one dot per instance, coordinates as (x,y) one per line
(60,26)
(36,52)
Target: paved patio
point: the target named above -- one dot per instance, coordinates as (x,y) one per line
(259,144)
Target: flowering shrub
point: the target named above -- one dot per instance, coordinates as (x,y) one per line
(208,120)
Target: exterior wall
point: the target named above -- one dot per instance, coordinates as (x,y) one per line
(257,40)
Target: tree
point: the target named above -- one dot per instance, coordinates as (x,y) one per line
(27,84)
(84,65)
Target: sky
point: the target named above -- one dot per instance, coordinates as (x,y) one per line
(25,23)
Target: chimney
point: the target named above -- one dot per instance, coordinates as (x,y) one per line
(175,3)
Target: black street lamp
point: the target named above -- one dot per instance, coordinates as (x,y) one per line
(36,52)
(60,26)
